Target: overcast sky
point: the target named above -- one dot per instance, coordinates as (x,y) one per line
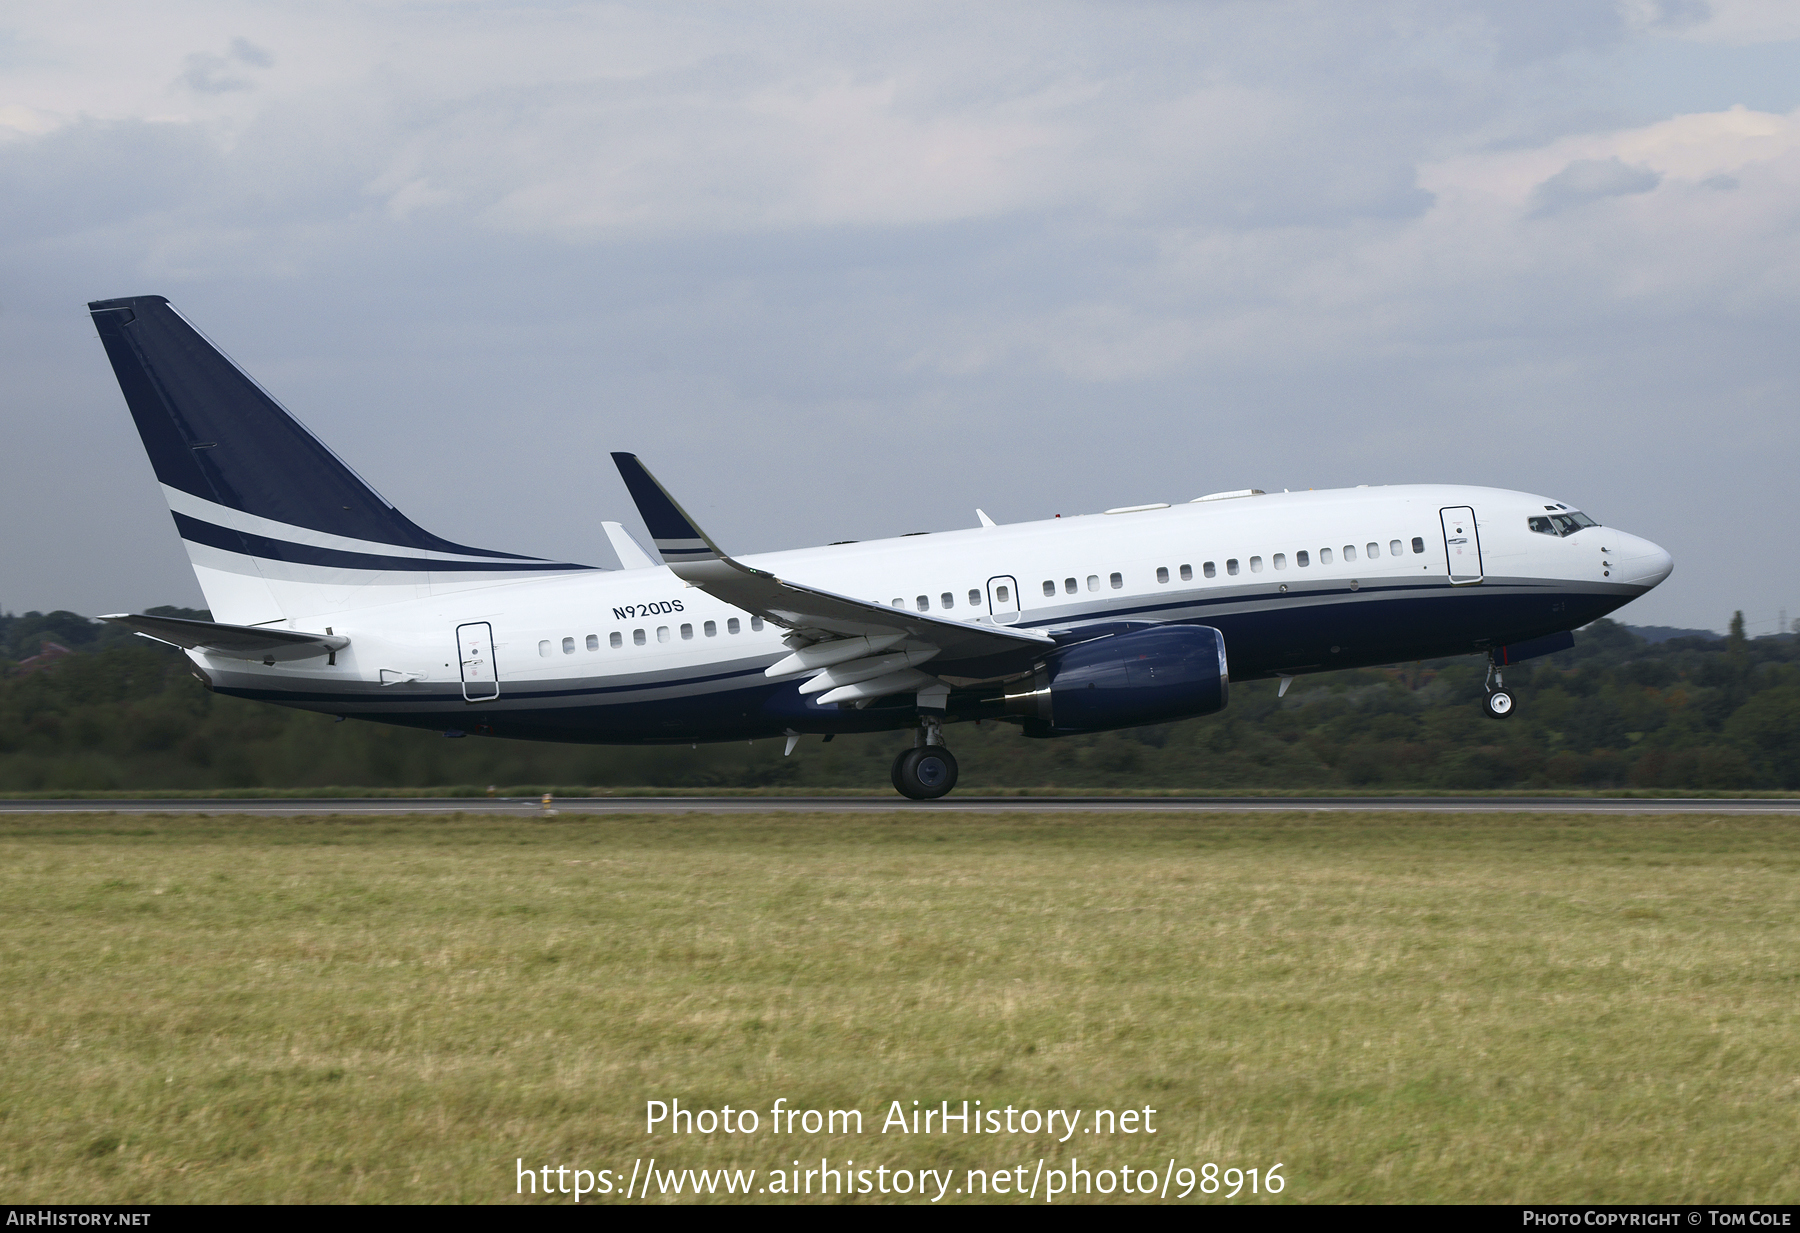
(840,270)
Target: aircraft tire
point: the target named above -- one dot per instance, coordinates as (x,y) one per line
(894,774)
(925,774)
(1499,704)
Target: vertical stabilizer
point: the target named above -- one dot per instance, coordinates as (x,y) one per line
(277,526)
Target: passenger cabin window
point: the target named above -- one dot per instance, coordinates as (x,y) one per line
(1256,565)
(662,633)
(1117,582)
(1561,524)
(544,648)
(1187,573)
(710,629)
(731,625)
(615,640)
(687,633)
(1395,548)
(637,637)
(1349,552)
(1374,551)
(1302,560)
(1280,561)
(1231,567)
(1162,573)
(1212,571)
(924,603)
(1324,556)
(568,646)
(1002,595)
(974,599)
(948,599)
(898,602)
(1093,582)
(1049,588)
(1418,544)
(593,642)
(1069,586)
(756,624)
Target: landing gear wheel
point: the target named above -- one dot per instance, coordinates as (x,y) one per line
(1499,704)
(894,774)
(925,774)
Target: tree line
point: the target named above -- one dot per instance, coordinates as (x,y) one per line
(1616,711)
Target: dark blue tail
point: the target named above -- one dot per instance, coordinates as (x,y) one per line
(254,494)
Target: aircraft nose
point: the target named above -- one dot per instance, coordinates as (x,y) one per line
(1642,563)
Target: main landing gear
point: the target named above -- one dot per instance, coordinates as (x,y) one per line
(927,770)
(1499,702)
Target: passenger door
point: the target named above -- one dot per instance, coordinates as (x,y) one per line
(475,646)
(1462,545)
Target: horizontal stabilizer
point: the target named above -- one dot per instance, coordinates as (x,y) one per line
(631,554)
(232,641)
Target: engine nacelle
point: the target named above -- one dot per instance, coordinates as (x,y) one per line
(1149,676)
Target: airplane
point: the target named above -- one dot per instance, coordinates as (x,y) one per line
(327,598)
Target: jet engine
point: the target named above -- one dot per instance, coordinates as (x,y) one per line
(1147,676)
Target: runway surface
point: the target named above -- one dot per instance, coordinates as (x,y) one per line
(529,807)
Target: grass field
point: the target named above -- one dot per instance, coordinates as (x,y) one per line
(1395,1008)
(580,791)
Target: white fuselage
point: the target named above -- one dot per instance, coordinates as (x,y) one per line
(1297,582)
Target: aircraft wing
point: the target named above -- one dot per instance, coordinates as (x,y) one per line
(232,641)
(815,615)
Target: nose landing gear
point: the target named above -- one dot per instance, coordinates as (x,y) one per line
(1499,702)
(927,770)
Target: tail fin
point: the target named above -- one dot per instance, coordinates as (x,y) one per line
(277,525)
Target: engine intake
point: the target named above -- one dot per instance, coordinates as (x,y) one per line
(1148,676)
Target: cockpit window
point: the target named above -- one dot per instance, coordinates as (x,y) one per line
(1562,524)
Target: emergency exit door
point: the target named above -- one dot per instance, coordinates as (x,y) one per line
(1462,545)
(475,644)
(1003,599)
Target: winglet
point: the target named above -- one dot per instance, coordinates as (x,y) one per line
(676,535)
(819,615)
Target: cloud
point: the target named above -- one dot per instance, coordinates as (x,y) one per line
(23,120)
(249,53)
(95,175)
(209,73)
(1744,22)
(1667,15)
(1286,244)
(1589,179)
